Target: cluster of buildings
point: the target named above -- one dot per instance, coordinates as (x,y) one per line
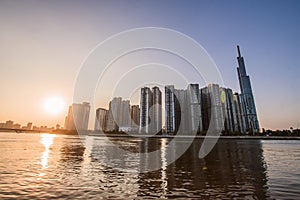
(193,109)
(29,127)
(198,109)
(11,125)
(121,116)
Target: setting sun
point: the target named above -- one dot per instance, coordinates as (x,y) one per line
(54,105)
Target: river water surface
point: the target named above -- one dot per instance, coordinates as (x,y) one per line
(48,166)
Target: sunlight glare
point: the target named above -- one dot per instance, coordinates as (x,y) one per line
(47,141)
(54,105)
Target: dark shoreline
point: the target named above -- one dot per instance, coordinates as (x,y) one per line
(201,137)
(123,135)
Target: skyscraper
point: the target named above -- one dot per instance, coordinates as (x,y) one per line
(135,116)
(247,99)
(101,119)
(78,116)
(113,114)
(181,113)
(176,117)
(145,104)
(240,116)
(125,114)
(194,107)
(170,109)
(212,108)
(150,110)
(157,110)
(118,114)
(229,111)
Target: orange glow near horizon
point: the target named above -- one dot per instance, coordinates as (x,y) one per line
(54,105)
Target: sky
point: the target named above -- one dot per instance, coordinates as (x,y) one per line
(44,43)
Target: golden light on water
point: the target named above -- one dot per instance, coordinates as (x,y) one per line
(47,141)
(164,183)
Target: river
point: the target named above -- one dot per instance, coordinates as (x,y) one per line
(46,166)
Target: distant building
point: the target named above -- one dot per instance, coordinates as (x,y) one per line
(194,108)
(125,115)
(176,115)
(101,119)
(9,124)
(78,117)
(42,128)
(181,112)
(150,110)
(69,121)
(157,110)
(239,111)
(145,103)
(135,116)
(118,115)
(29,126)
(114,114)
(229,111)
(170,125)
(212,108)
(247,98)
(16,126)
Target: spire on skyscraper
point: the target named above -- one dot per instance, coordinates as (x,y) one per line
(239,52)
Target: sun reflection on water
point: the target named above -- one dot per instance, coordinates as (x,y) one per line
(47,141)
(164,184)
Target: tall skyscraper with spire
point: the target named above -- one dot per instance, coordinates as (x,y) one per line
(247,98)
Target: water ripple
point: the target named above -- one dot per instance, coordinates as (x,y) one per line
(42,166)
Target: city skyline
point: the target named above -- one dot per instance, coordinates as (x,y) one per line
(42,49)
(188,111)
(193,110)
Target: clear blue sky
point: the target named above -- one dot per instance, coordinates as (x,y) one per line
(43,43)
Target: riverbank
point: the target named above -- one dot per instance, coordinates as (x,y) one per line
(124,135)
(200,137)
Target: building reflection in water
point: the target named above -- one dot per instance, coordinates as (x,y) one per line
(233,169)
(47,141)
(73,159)
(164,183)
(72,151)
(117,173)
